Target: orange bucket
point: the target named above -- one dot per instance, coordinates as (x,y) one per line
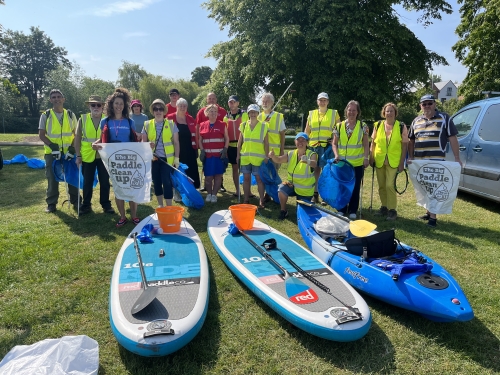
(243,215)
(170,218)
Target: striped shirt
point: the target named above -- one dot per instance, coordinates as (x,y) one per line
(431,135)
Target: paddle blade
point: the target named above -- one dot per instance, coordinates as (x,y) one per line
(361,228)
(147,296)
(298,292)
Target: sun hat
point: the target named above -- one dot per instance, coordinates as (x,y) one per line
(157,101)
(253,107)
(302,135)
(323,95)
(135,102)
(233,97)
(427,97)
(94,99)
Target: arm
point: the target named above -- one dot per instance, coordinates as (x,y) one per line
(335,148)
(404,147)
(238,149)
(372,146)
(366,148)
(266,148)
(277,159)
(282,142)
(455,148)
(78,142)
(308,128)
(175,138)
(313,162)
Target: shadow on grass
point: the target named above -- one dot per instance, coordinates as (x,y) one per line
(17,181)
(196,357)
(19,337)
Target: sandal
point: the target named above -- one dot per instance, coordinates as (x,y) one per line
(136,220)
(121,223)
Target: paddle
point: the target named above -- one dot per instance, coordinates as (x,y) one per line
(359,228)
(178,170)
(296,291)
(148,294)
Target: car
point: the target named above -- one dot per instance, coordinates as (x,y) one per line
(478,126)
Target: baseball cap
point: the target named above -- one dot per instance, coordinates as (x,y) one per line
(323,95)
(302,135)
(233,97)
(427,97)
(253,107)
(174,91)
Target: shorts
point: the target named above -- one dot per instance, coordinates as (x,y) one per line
(320,150)
(231,154)
(290,192)
(249,168)
(213,166)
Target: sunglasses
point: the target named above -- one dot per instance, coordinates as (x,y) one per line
(157,109)
(427,104)
(98,105)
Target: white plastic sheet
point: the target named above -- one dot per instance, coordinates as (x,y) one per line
(74,355)
(436,184)
(331,226)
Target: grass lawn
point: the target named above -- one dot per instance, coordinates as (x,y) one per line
(55,272)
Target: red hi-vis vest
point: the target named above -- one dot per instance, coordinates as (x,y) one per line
(212,137)
(191,123)
(233,126)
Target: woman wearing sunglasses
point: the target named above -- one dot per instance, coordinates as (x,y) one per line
(164,139)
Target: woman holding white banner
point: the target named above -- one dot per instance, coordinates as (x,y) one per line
(119,127)
(163,136)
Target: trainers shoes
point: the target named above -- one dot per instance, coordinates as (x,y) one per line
(222,189)
(109,210)
(432,223)
(267,198)
(382,211)
(85,210)
(51,208)
(177,196)
(352,216)
(392,215)
(425,217)
(208,198)
(315,198)
(214,199)
(283,215)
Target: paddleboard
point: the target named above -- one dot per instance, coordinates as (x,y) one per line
(177,265)
(435,294)
(310,308)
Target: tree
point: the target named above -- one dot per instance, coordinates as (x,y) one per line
(129,75)
(201,75)
(478,47)
(27,61)
(351,49)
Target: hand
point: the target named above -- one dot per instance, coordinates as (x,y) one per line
(459,161)
(271,154)
(408,161)
(266,160)
(401,168)
(54,146)
(70,154)
(152,144)
(366,162)
(78,161)
(303,159)
(176,162)
(71,150)
(223,154)
(238,156)
(203,157)
(96,146)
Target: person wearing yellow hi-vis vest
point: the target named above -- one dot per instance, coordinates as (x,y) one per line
(388,152)
(319,127)
(56,130)
(163,136)
(350,142)
(88,131)
(253,150)
(276,125)
(300,181)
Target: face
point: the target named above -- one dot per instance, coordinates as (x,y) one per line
(182,107)
(173,97)
(57,99)
(96,109)
(233,105)
(158,110)
(136,109)
(390,112)
(352,111)
(323,102)
(211,98)
(267,103)
(429,107)
(118,106)
(301,142)
(212,114)
(253,114)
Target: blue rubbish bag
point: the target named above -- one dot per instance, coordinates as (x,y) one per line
(68,170)
(190,196)
(336,183)
(145,235)
(36,163)
(271,179)
(253,182)
(19,159)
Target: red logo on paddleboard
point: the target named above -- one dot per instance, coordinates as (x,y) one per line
(307,296)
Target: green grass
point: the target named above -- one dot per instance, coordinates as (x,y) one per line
(55,272)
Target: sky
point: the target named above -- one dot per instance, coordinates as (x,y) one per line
(168,38)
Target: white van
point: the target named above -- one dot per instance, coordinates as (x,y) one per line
(478,126)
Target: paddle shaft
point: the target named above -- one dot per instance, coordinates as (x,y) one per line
(279,100)
(139,258)
(178,170)
(373,179)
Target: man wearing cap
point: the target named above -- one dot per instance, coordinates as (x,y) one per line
(201,117)
(88,130)
(300,181)
(277,128)
(429,134)
(172,106)
(319,127)
(56,130)
(137,115)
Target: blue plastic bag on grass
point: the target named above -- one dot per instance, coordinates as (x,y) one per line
(336,183)
(36,163)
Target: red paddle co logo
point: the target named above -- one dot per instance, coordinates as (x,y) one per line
(299,293)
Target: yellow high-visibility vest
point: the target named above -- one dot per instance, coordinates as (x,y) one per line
(252,150)
(351,148)
(300,174)
(273,135)
(390,148)
(89,136)
(167,137)
(61,135)
(321,131)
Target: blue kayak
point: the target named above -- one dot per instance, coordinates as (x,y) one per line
(408,278)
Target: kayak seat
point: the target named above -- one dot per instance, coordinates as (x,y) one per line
(378,245)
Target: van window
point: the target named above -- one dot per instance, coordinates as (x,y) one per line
(490,126)
(464,121)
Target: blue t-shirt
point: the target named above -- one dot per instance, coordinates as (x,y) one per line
(139,121)
(119,130)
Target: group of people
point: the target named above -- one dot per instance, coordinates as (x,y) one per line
(244,139)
